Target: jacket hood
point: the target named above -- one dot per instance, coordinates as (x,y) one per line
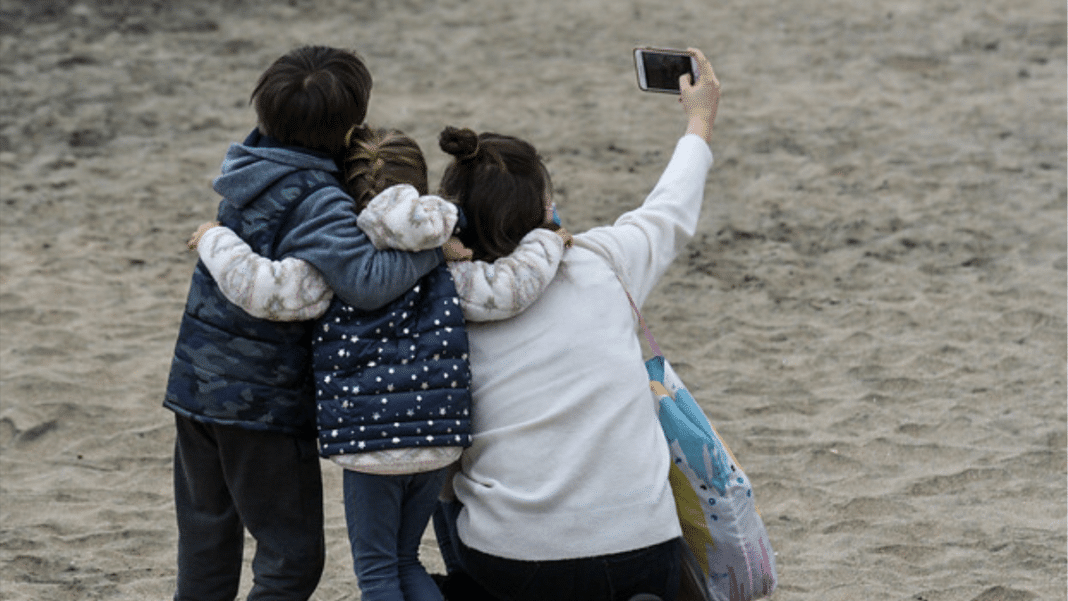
(257,163)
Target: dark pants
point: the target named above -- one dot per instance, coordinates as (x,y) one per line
(227,479)
(617,577)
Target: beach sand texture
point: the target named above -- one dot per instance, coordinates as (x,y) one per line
(872,311)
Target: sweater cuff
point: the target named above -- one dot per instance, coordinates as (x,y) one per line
(208,240)
(700,148)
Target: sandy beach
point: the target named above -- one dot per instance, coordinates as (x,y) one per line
(873,311)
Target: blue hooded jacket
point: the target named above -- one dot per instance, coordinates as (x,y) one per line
(233,369)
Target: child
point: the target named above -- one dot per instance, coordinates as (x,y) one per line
(392,383)
(241,387)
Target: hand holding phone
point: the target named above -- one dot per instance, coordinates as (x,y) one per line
(659,69)
(700,99)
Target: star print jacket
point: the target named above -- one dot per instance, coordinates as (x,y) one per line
(396,377)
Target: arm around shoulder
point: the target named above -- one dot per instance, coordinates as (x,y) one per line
(325,233)
(508,286)
(286,290)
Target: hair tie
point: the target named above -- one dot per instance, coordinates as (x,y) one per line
(357,133)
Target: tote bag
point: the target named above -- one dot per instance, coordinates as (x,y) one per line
(728,552)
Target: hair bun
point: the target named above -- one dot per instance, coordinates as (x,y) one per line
(460,143)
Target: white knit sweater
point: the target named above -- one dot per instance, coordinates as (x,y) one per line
(569,459)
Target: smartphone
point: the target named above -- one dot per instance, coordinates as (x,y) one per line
(659,69)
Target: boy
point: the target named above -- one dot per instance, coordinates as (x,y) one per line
(241,387)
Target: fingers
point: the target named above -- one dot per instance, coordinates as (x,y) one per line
(194,241)
(700,100)
(566,237)
(684,82)
(704,66)
(454,250)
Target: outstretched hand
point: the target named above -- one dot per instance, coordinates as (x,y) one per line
(700,99)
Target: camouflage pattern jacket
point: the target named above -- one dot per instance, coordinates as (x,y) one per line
(233,369)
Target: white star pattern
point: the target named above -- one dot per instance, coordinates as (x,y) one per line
(400,415)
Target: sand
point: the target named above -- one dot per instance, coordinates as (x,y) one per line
(872,312)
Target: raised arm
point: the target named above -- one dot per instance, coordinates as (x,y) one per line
(507,286)
(286,290)
(642,243)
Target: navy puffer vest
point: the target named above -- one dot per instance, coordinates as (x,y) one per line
(231,368)
(396,377)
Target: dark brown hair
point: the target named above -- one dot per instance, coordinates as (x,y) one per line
(312,96)
(502,186)
(375,159)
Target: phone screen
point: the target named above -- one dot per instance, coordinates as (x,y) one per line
(662,71)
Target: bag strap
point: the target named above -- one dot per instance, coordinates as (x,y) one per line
(645,327)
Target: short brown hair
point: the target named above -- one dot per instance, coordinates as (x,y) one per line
(375,159)
(502,186)
(312,96)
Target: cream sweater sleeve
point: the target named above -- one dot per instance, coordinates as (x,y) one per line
(286,290)
(507,286)
(399,218)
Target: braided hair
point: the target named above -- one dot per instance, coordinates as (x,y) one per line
(375,159)
(502,186)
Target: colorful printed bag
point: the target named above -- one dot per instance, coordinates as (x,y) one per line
(713,495)
(720,522)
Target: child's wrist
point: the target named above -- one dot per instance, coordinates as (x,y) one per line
(565,236)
